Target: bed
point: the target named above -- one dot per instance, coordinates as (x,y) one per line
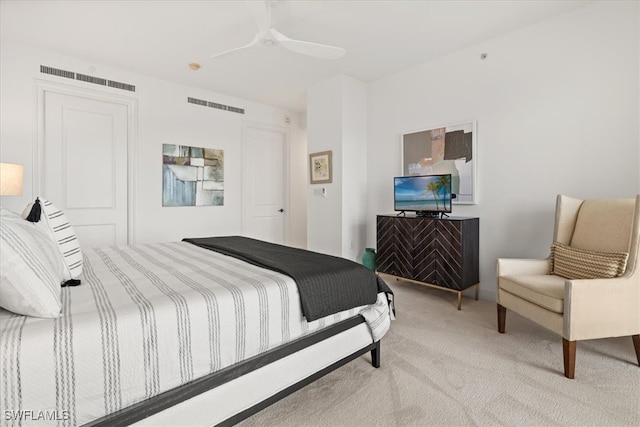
(177,333)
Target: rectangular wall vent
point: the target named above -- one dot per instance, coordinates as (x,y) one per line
(91,79)
(123,86)
(57,72)
(85,78)
(197,101)
(236,109)
(215,105)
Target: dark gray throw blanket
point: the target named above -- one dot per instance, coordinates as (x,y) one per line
(327,284)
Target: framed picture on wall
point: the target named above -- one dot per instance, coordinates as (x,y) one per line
(192,176)
(449,149)
(320,167)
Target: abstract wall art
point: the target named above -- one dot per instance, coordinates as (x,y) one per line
(449,149)
(192,176)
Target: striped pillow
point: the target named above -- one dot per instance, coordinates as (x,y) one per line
(61,231)
(30,268)
(574,263)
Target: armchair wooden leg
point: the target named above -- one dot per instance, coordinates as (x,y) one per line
(569,352)
(502,316)
(636,344)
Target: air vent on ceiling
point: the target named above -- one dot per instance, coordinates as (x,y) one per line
(215,105)
(85,78)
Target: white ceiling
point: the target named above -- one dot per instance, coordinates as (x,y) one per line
(159,38)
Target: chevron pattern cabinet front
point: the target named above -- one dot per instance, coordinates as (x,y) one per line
(442,252)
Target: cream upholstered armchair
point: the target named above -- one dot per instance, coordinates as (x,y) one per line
(591,239)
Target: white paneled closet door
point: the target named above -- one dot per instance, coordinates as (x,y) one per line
(84,165)
(264,176)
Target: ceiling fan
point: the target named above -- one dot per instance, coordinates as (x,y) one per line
(270,37)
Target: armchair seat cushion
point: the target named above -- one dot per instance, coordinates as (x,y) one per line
(546,290)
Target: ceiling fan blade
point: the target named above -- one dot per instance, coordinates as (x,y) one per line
(262,16)
(317,50)
(253,42)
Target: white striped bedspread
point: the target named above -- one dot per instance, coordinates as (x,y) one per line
(147,318)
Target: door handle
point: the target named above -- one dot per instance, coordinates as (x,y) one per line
(280,210)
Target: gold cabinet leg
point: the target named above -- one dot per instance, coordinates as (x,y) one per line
(404,279)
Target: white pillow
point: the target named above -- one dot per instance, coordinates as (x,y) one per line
(61,232)
(30,269)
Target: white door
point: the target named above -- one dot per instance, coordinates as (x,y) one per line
(84,165)
(264,175)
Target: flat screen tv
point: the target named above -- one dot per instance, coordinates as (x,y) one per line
(427,195)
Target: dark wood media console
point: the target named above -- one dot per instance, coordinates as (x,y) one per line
(437,252)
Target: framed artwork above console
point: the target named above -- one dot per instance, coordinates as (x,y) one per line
(449,149)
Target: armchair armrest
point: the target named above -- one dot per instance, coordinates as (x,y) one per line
(512,266)
(599,308)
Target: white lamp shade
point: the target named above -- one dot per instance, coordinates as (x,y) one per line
(11,179)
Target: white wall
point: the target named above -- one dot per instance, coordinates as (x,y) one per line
(299,174)
(163,117)
(354,168)
(557,111)
(324,133)
(337,121)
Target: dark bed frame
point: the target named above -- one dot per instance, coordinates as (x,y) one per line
(146,408)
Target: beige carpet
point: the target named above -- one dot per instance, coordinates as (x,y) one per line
(441,367)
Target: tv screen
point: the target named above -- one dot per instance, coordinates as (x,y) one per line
(424,194)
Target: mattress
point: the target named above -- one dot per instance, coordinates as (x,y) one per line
(146,319)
